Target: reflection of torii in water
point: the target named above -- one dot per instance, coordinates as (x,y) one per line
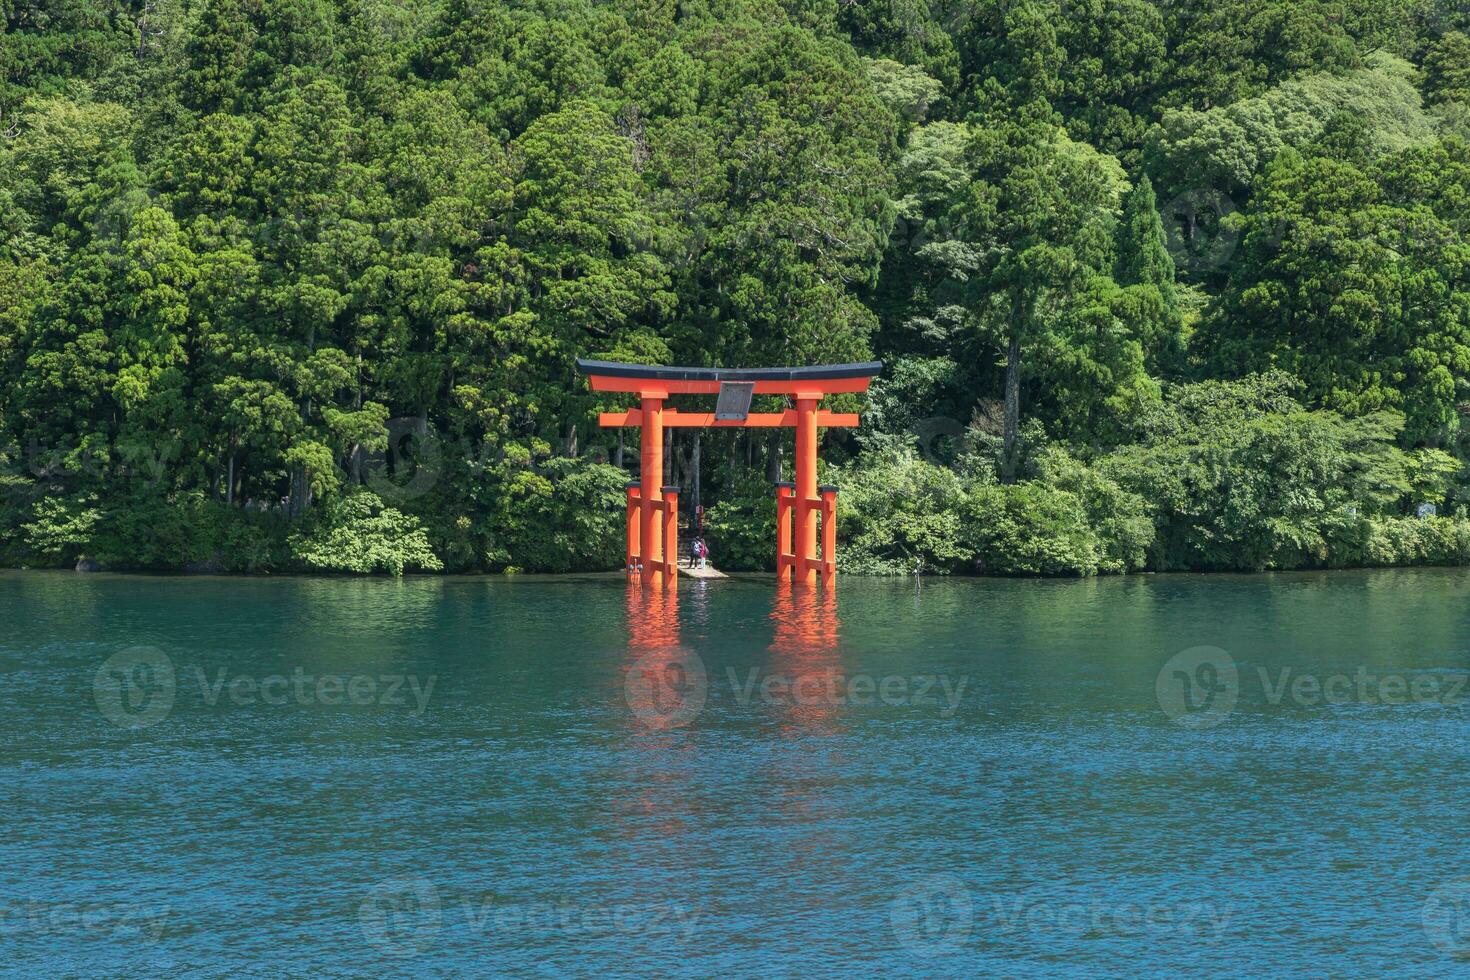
(804,649)
(666,682)
(653,510)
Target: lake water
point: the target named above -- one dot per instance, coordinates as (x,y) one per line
(327,777)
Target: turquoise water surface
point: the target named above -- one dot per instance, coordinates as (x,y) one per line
(1220,775)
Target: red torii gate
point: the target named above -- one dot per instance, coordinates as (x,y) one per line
(653,511)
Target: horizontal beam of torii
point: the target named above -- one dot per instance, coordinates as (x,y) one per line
(818,380)
(652,545)
(674,419)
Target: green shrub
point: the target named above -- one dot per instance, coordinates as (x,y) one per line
(59,529)
(1030,529)
(1238,476)
(566,515)
(1119,518)
(355,532)
(897,512)
(1414,541)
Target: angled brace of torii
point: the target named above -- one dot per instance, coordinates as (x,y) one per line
(653,526)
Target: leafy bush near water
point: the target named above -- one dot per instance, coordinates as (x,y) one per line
(356,533)
(1227,476)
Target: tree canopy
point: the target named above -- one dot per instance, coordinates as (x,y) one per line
(300,283)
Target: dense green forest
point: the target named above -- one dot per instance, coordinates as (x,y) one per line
(298,284)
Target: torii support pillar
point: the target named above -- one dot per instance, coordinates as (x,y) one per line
(653,537)
(635,511)
(807,501)
(788,560)
(829,532)
(650,499)
(666,515)
(785,551)
(671,534)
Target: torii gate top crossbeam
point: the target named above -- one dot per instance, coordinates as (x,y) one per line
(814,381)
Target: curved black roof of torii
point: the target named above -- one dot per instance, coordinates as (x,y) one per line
(815,372)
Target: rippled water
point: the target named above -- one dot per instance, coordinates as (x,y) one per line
(468,776)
